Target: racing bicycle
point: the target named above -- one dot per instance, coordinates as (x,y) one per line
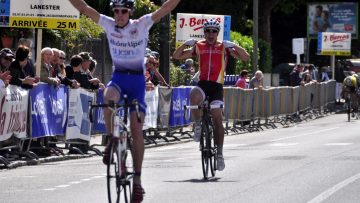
(207,147)
(120,169)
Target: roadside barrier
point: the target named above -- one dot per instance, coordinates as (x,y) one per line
(45,116)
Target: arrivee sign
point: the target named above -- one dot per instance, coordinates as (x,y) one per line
(190,25)
(332,43)
(50,14)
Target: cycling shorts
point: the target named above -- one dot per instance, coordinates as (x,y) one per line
(213,90)
(133,85)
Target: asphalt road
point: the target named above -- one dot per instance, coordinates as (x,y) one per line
(315,161)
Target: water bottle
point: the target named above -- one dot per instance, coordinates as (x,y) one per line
(116,131)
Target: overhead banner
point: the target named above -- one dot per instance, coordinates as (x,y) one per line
(180,98)
(190,26)
(48,110)
(330,43)
(333,17)
(49,14)
(78,125)
(13,112)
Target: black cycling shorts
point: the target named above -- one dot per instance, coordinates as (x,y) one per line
(213,90)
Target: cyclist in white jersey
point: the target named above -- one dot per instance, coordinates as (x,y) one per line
(127,42)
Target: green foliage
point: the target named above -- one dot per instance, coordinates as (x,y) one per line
(178,76)
(247,43)
(265,60)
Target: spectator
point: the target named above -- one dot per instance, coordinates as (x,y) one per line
(313,72)
(85,65)
(324,75)
(21,77)
(6,57)
(45,72)
(5,78)
(339,78)
(79,75)
(241,82)
(152,74)
(257,80)
(55,62)
(188,66)
(61,72)
(295,78)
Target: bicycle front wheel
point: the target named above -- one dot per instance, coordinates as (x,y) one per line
(207,152)
(113,174)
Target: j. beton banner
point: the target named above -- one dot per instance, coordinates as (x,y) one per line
(331,43)
(50,14)
(190,25)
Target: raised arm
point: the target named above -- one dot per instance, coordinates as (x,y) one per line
(165,9)
(86,9)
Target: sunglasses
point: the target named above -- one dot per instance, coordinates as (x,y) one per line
(211,31)
(122,11)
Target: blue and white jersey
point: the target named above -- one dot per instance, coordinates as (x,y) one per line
(127,45)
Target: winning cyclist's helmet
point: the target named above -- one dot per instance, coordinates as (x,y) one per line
(122,3)
(212,23)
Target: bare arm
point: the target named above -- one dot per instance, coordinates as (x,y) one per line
(182,53)
(165,9)
(160,77)
(239,53)
(86,9)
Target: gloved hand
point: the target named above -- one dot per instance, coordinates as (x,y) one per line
(228,44)
(190,42)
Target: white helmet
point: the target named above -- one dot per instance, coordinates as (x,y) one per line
(122,3)
(212,23)
(348,81)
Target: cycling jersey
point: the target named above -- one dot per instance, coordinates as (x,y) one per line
(212,61)
(127,45)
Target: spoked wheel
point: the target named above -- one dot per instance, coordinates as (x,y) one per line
(119,181)
(113,176)
(207,152)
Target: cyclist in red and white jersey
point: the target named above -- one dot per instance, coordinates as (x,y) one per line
(212,56)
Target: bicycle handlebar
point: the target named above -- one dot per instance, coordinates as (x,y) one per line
(111,104)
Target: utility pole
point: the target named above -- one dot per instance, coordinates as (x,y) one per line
(255,34)
(164,51)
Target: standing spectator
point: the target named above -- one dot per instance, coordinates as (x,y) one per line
(6,57)
(45,72)
(152,74)
(21,77)
(324,75)
(257,80)
(241,82)
(79,75)
(61,72)
(339,78)
(188,66)
(5,78)
(95,83)
(313,72)
(295,78)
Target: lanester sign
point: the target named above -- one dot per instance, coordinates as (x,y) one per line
(331,43)
(49,14)
(190,25)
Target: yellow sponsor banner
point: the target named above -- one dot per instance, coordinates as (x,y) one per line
(336,53)
(48,23)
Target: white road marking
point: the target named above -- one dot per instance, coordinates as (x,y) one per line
(49,189)
(315,132)
(62,186)
(284,144)
(327,193)
(235,145)
(338,144)
(75,182)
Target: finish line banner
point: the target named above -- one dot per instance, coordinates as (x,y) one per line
(49,14)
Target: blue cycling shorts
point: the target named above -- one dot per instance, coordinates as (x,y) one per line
(133,85)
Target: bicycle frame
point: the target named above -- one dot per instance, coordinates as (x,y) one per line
(207,146)
(119,172)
